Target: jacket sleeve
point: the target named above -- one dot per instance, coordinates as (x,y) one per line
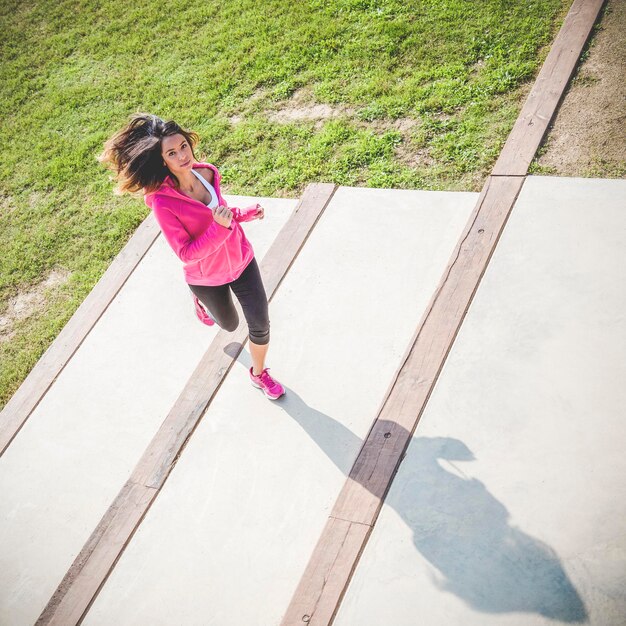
(244,215)
(186,248)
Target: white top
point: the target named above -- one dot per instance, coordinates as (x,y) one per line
(213,203)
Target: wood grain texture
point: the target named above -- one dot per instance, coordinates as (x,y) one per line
(543,100)
(294,235)
(51,364)
(320,589)
(85,576)
(93,565)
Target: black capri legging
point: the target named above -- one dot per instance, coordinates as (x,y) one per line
(251,294)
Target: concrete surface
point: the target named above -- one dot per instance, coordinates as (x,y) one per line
(510,505)
(228,538)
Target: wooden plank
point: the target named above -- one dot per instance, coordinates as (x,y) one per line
(542,102)
(341,538)
(51,364)
(99,554)
(361,497)
(86,576)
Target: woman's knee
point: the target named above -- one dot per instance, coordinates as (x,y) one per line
(232,327)
(228,323)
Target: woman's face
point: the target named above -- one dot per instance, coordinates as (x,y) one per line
(176,153)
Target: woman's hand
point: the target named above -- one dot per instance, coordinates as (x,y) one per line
(260,212)
(223,216)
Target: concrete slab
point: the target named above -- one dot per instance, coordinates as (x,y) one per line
(244,506)
(67,464)
(509,507)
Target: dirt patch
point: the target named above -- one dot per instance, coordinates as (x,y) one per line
(402,124)
(414,158)
(29,302)
(302,107)
(311,112)
(588,136)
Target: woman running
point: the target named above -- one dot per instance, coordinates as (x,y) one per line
(157,158)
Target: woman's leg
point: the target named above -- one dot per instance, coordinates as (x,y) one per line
(251,294)
(219,301)
(258,353)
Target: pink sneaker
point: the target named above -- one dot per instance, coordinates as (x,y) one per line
(201,312)
(271,388)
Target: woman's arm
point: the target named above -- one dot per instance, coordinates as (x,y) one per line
(245,215)
(186,248)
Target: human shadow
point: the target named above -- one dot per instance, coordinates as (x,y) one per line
(460,528)
(465,533)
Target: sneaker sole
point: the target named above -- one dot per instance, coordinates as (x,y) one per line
(265,393)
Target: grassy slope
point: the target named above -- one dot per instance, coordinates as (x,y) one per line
(73,70)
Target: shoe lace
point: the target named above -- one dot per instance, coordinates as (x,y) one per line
(266,378)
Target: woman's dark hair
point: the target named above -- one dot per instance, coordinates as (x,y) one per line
(134,153)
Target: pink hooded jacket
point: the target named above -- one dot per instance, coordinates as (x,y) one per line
(211,253)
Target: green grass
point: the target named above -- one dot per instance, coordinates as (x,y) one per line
(73,71)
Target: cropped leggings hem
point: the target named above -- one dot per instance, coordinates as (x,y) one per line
(251,294)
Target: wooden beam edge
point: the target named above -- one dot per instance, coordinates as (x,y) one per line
(107,541)
(321,587)
(572,38)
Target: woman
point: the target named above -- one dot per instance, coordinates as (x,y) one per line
(157,158)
